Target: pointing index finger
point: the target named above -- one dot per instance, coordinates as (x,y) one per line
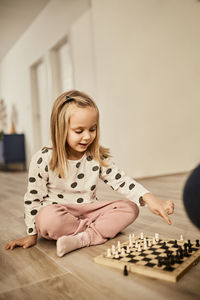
(165,216)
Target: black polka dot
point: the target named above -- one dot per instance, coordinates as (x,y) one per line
(79,200)
(59,176)
(74,184)
(46,168)
(60,196)
(89,158)
(123,184)
(109,171)
(54,202)
(39,175)
(118,176)
(131,186)
(80,176)
(33,192)
(106,181)
(34,212)
(28,202)
(141,201)
(45,150)
(30,230)
(36,200)
(78,164)
(93,187)
(95,168)
(32,179)
(39,160)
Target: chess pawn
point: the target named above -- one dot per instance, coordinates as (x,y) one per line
(145,240)
(123,251)
(128,249)
(130,244)
(108,252)
(157,237)
(139,248)
(154,241)
(133,237)
(116,254)
(149,243)
(141,235)
(181,238)
(136,244)
(145,246)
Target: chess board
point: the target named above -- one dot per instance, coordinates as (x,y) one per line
(146,263)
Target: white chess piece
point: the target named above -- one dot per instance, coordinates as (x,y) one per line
(113,249)
(181,238)
(116,255)
(139,248)
(149,243)
(130,244)
(130,237)
(123,251)
(157,237)
(108,252)
(128,249)
(133,237)
(154,241)
(141,235)
(119,246)
(145,246)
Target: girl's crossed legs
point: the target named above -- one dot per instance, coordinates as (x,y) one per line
(75,226)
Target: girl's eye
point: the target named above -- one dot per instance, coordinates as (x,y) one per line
(78,132)
(92,130)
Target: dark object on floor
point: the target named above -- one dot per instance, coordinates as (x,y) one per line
(191,196)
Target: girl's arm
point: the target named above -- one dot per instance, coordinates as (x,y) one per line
(134,191)
(37,189)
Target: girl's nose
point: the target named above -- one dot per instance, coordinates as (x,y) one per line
(86,136)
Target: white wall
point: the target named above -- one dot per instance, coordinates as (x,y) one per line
(148,78)
(52,25)
(139,59)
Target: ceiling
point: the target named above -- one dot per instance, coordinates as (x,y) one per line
(15,17)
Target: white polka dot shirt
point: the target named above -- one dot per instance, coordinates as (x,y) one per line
(46,187)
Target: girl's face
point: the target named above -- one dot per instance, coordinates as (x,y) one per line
(81,131)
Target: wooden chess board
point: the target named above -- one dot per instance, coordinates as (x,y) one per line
(146,262)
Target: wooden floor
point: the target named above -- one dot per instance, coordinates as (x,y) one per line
(37,273)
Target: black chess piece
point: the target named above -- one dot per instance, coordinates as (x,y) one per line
(197,243)
(181,252)
(125,271)
(159,262)
(175,244)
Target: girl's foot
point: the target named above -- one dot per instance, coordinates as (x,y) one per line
(66,244)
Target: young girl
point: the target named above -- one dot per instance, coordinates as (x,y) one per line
(61,202)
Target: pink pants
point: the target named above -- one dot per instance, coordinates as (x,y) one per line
(101,220)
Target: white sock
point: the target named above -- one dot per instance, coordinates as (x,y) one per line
(66,244)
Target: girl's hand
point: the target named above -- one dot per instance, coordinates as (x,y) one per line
(25,242)
(159,207)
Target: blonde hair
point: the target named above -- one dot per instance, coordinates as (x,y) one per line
(60,116)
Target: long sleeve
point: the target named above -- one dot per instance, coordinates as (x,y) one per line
(36,191)
(121,183)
